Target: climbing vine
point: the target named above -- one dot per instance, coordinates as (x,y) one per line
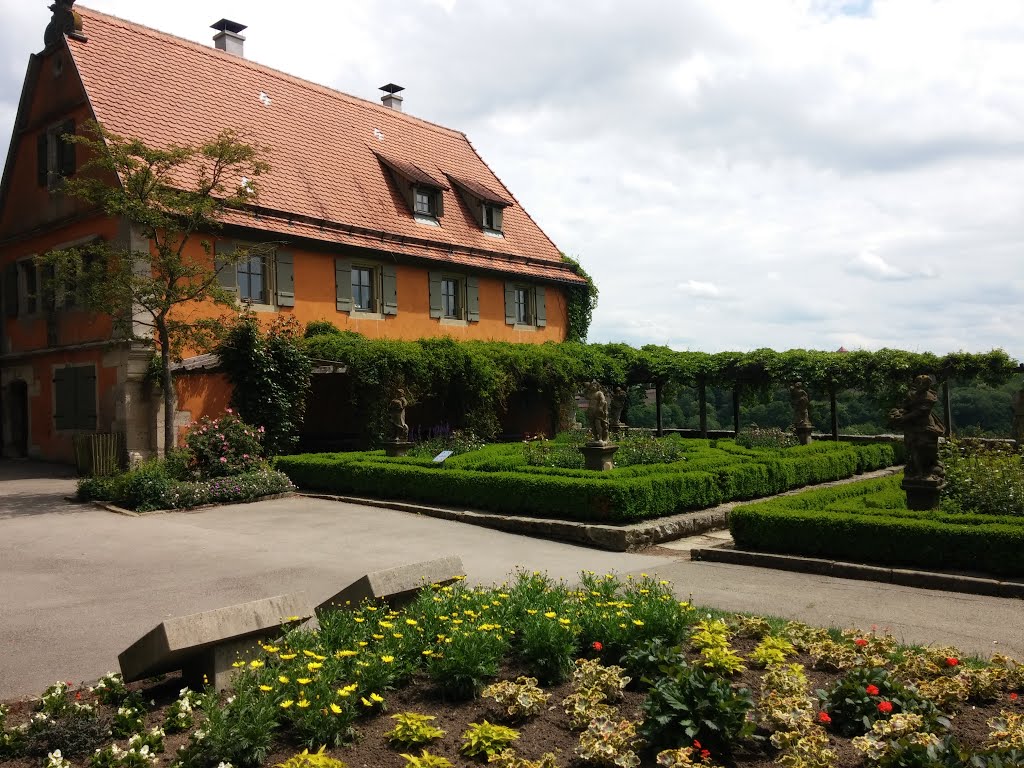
(581,301)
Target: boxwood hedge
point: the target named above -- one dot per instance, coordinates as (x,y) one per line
(869,522)
(496,478)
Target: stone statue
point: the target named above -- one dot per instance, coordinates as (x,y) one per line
(921,431)
(1018,416)
(597,412)
(65,21)
(801,405)
(396,410)
(618,403)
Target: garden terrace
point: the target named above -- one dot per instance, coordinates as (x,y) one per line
(868,522)
(499,478)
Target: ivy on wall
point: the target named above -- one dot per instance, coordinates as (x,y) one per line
(581,302)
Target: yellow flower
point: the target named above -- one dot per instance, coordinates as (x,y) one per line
(371,608)
(366,702)
(309,653)
(360,619)
(377,637)
(428,652)
(531,611)
(303,680)
(313,666)
(386,624)
(456,621)
(343,693)
(563,621)
(255,663)
(303,703)
(550,615)
(411,622)
(638,623)
(397,635)
(286,704)
(270,648)
(345,654)
(288,656)
(266,688)
(387,659)
(363,643)
(504,596)
(335,709)
(283,679)
(238,664)
(377,698)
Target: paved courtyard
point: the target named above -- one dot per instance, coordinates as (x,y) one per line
(79,584)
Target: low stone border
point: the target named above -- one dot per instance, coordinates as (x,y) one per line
(948,582)
(615,538)
(106,505)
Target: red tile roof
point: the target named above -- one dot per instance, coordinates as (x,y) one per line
(325,174)
(481,191)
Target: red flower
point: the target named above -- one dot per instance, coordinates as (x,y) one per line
(885,707)
(872,690)
(824,718)
(78,695)
(952,662)
(860,642)
(696,744)
(1014,697)
(597,646)
(705,755)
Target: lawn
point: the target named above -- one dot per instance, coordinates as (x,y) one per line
(536,674)
(661,476)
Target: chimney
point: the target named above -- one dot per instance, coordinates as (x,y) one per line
(228,37)
(391,99)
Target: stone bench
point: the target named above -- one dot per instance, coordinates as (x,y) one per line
(396,586)
(205,645)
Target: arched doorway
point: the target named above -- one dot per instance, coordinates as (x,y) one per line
(17,417)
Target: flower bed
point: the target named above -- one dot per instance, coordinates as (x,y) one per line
(498,478)
(869,522)
(533,674)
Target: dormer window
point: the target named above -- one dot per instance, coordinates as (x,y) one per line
(425,201)
(423,192)
(487,206)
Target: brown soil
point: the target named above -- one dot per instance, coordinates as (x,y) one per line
(548,732)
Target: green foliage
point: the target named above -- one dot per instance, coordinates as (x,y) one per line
(270,377)
(520,699)
(581,301)
(771,652)
(481,740)
(413,729)
(468,661)
(866,694)
(689,703)
(458,441)
(765,437)
(904,742)
(224,446)
(311,760)
(180,713)
(497,478)
(592,675)
(128,720)
(75,732)
(509,759)
(240,731)
(110,689)
(426,760)
(112,756)
(320,328)
(609,742)
(869,522)
(547,646)
(983,479)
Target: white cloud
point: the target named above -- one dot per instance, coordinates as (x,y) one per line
(811,155)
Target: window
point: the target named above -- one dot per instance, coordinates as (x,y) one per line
(451,298)
(425,201)
(29,286)
(492,217)
(252,280)
(55,156)
(364,293)
(74,397)
(523,314)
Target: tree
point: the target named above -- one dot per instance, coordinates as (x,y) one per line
(169,197)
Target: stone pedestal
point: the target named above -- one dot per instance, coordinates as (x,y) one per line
(397,448)
(599,456)
(803,433)
(922,492)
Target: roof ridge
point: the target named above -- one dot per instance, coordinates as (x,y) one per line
(271,71)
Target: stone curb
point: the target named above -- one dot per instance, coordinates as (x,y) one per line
(107,506)
(614,538)
(948,582)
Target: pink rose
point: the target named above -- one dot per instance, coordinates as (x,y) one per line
(223,459)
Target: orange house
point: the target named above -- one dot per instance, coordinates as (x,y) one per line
(376,220)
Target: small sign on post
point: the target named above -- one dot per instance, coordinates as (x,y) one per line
(439,459)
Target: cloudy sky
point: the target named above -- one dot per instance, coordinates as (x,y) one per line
(734,173)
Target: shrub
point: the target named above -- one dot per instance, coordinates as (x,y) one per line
(112,756)
(466,662)
(239,732)
(547,644)
(903,742)
(609,742)
(311,760)
(985,480)
(771,651)
(519,699)
(765,437)
(179,716)
(691,703)
(591,675)
(224,446)
(74,732)
(142,488)
(413,729)
(484,739)
(864,695)
(426,760)
(110,689)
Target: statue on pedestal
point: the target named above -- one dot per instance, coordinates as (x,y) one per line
(921,431)
(801,405)
(618,403)
(396,412)
(597,412)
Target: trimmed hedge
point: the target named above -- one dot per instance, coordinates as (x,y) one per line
(497,479)
(869,522)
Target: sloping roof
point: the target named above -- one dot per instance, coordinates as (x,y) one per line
(325,171)
(480,190)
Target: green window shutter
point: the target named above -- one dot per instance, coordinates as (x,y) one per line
(389,290)
(42,159)
(11,290)
(66,149)
(85,398)
(343,284)
(499,218)
(227,270)
(439,196)
(436,309)
(284,266)
(473,299)
(541,310)
(510,303)
(63,398)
